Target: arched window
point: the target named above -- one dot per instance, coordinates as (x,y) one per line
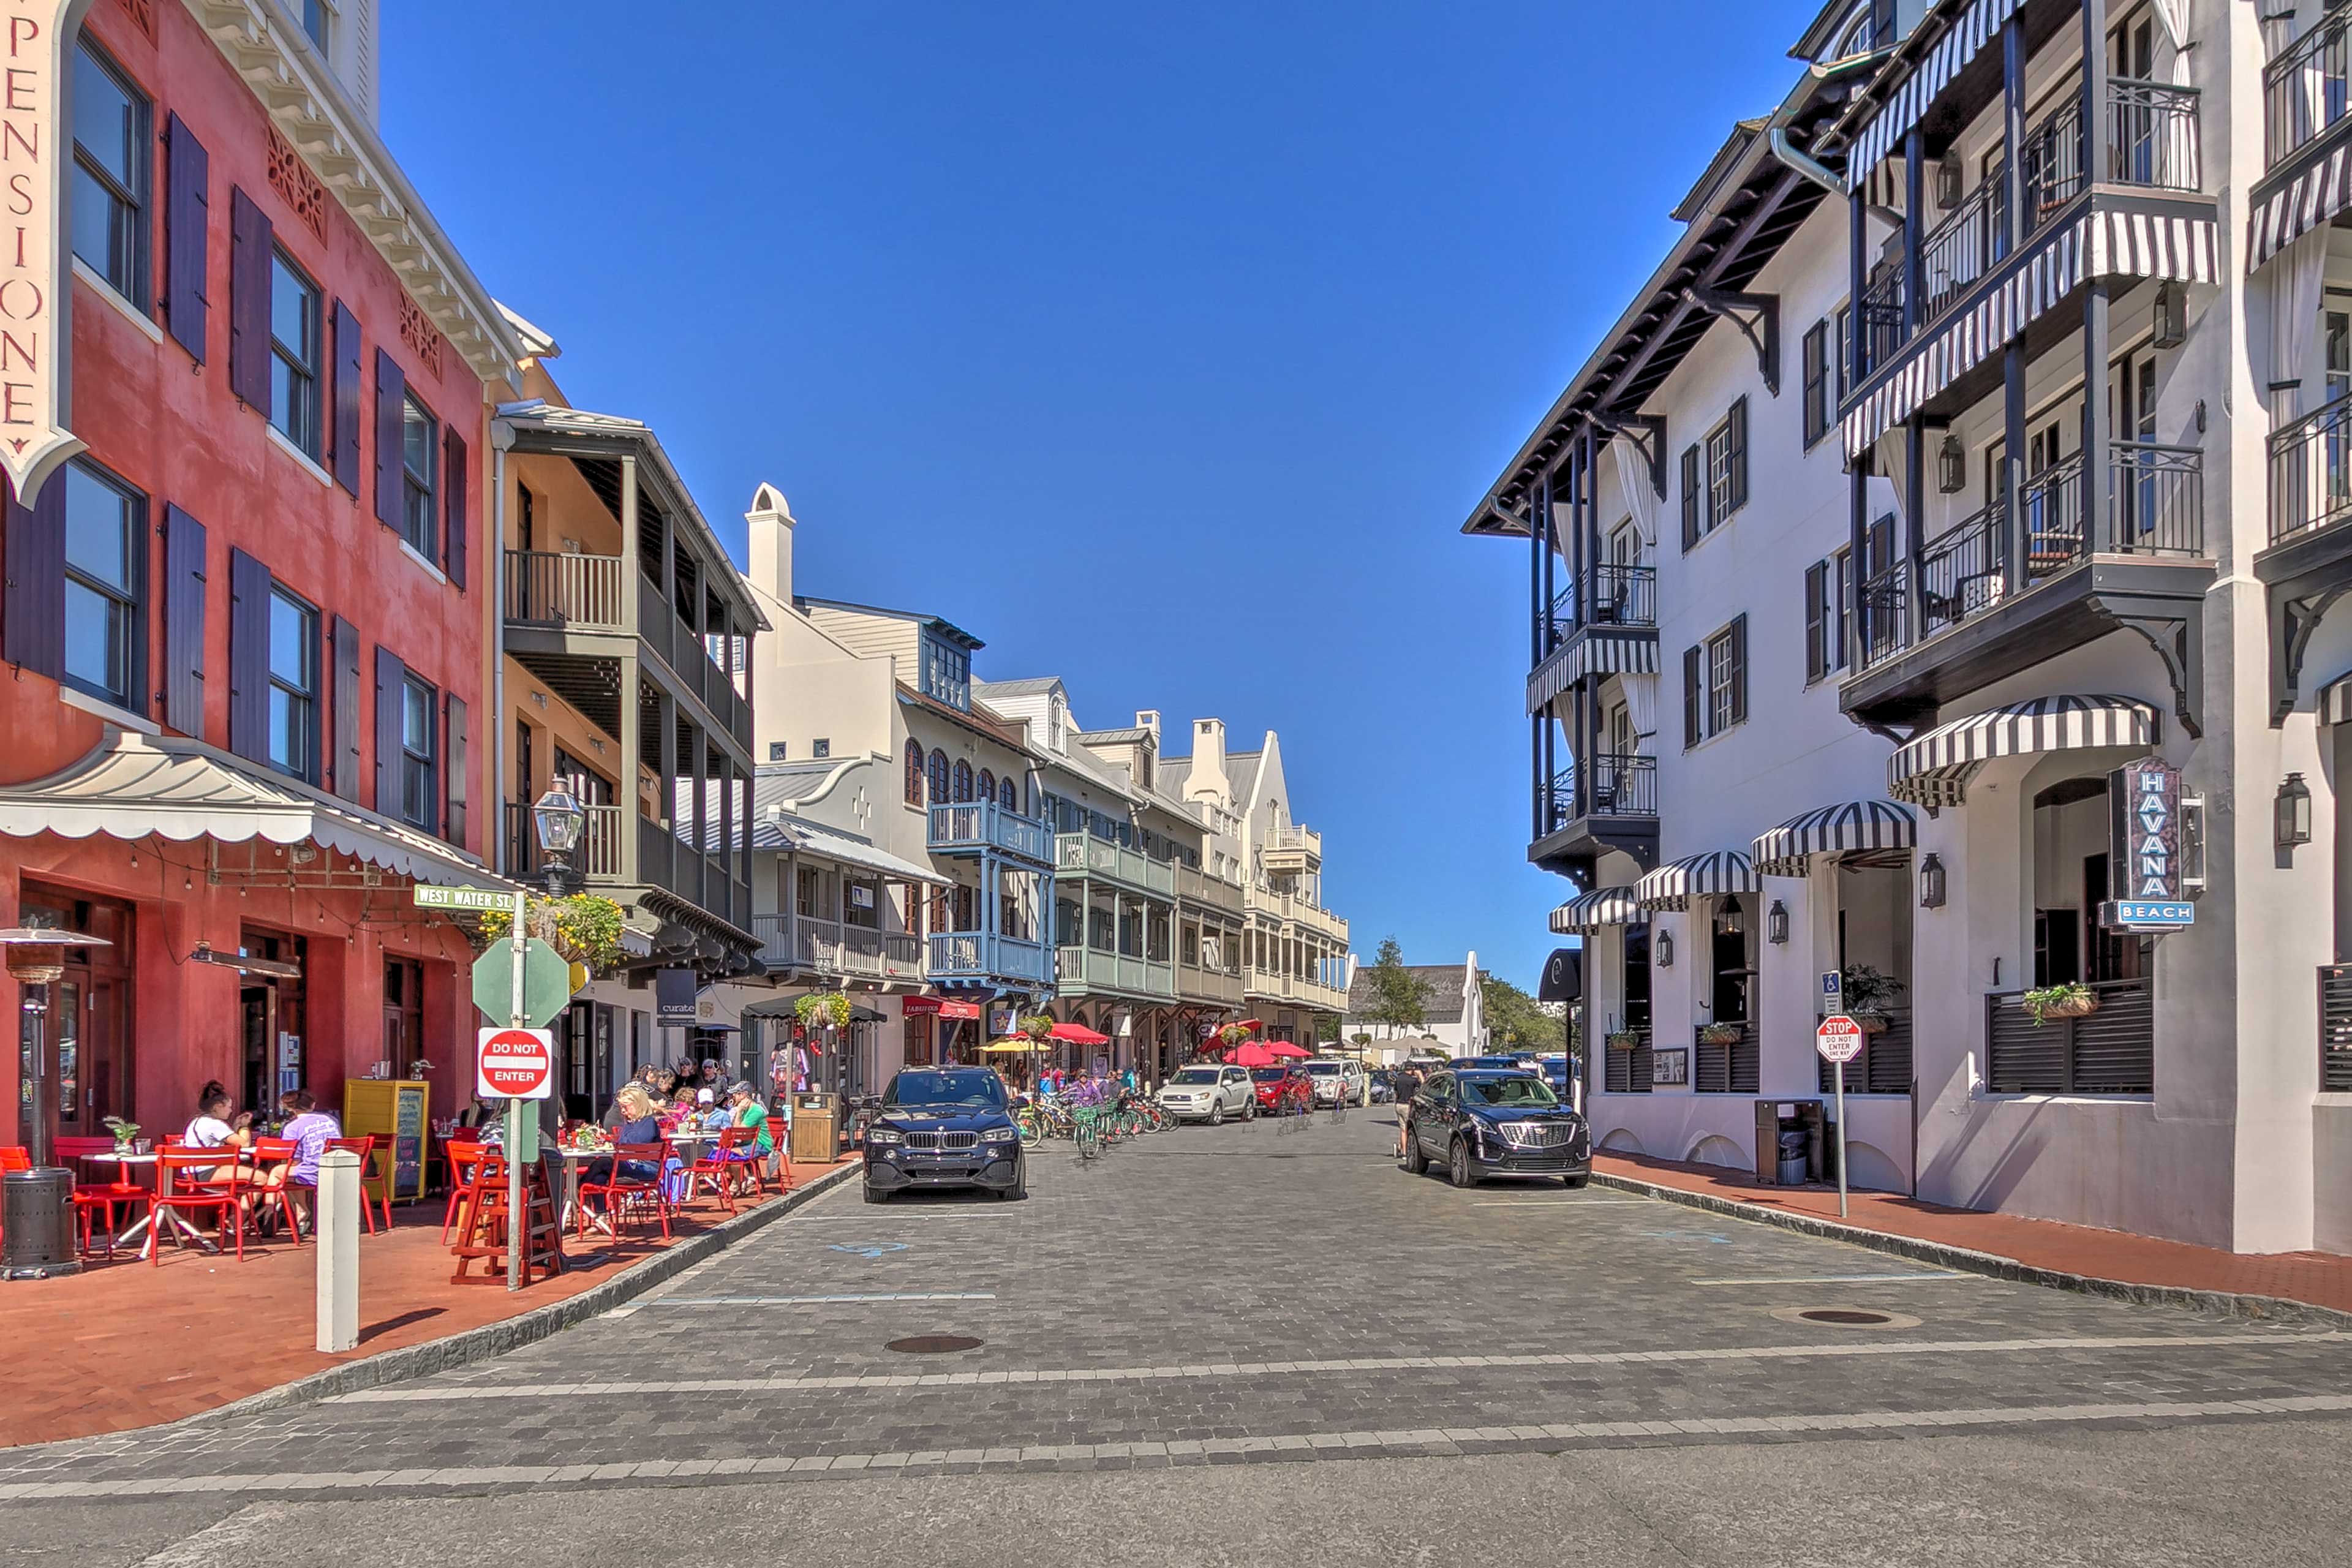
(938,778)
(1006,796)
(962,781)
(914,773)
(987,784)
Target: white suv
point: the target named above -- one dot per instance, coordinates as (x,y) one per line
(1210,1093)
(1336,1081)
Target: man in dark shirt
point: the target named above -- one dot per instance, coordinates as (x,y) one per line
(1408,1084)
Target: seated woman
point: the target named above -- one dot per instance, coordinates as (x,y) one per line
(310,1129)
(744,1110)
(213,1128)
(638,1124)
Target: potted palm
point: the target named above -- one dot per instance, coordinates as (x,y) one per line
(2068,999)
(1870,995)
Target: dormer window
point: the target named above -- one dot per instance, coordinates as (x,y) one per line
(947,674)
(1058,727)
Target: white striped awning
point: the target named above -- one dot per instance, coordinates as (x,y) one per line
(2312,198)
(2179,248)
(2335,701)
(1696,877)
(1935,769)
(1788,850)
(1977,28)
(1604,650)
(1587,912)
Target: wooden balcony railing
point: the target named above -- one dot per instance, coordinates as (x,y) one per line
(970,826)
(1202,887)
(1085,855)
(1130,973)
(981,954)
(597,859)
(578,591)
(831,947)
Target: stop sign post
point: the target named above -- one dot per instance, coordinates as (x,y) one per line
(1839,1039)
(514,1063)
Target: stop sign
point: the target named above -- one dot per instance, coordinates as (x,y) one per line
(515,1064)
(1839,1039)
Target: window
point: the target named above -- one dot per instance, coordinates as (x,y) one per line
(318,20)
(294,338)
(947,673)
(106,532)
(589,787)
(776,751)
(1006,796)
(987,784)
(417,754)
(1829,593)
(914,773)
(962,781)
(112,175)
(420,446)
(1715,684)
(821,749)
(293,685)
(938,778)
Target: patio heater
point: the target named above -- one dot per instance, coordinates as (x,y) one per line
(37,1205)
(558,821)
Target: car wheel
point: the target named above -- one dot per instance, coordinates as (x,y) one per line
(874,1195)
(1415,1160)
(1574,1184)
(1217,1114)
(1459,1169)
(1017,1191)
(1249,1112)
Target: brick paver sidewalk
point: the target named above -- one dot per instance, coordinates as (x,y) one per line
(129,1343)
(2319,1279)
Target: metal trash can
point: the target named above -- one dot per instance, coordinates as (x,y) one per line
(37,1224)
(1794,1158)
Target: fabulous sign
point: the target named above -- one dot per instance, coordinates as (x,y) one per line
(36,279)
(2144,862)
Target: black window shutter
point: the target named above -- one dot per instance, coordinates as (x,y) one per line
(1690,497)
(1817,648)
(390,396)
(1694,697)
(250,240)
(183,622)
(345,762)
(33,605)
(453,505)
(1740,670)
(453,771)
(1817,381)
(347,398)
(1882,544)
(187,221)
(391,675)
(1738,443)
(248,657)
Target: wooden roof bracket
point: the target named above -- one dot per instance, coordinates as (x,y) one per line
(1648,434)
(1757,317)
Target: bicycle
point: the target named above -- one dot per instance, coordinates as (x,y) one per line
(1089,1132)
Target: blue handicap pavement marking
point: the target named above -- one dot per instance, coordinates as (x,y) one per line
(869,1248)
(1715,1238)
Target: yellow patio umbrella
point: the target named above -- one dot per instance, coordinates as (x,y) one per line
(1005,1047)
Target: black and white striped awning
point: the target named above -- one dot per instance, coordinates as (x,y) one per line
(2180,249)
(1975,30)
(2335,701)
(1935,769)
(1587,912)
(2312,198)
(1696,877)
(1604,650)
(1788,850)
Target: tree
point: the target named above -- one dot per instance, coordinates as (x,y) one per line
(1398,994)
(1326,1029)
(1514,1018)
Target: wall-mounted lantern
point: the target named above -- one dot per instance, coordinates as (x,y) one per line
(1931,882)
(1951,467)
(2291,820)
(1666,950)
(2171,315)
(1776,924)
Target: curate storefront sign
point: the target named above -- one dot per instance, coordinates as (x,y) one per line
(36,277)
(2144,848)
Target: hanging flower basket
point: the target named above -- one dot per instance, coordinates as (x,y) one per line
(1623,1041)
(836,1009)
(1722,1034)
(1870,1023)
(2068,1001)
(1038,1026)
(810,1012)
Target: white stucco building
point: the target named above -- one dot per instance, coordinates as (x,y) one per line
(1452,1011)
(1837,639)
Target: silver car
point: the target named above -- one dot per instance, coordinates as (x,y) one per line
(1210,1093)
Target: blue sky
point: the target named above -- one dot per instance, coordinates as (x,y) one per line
(1164,348)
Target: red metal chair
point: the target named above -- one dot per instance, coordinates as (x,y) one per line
(626,1196)
(269,1152)
(14,1157)
(179,1189)
(91,1199)
(364,1147)
(717,1166)
(463,1155)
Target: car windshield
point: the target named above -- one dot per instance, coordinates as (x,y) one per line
(1195,1075)
(1508,1089)
(1270,1075)
(976,1087)
(1322,1069)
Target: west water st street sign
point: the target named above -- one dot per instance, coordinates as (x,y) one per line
(464,898)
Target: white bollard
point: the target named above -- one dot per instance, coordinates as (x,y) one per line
(336,1230)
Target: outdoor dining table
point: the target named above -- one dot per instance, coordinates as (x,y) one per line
(141,1231)
(573,1159)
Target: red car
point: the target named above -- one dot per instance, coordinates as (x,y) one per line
(1282,1091)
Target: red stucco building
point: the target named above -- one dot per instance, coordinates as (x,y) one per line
(244,633)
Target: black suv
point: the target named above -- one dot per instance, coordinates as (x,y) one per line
(944,1127)
(1484,1122)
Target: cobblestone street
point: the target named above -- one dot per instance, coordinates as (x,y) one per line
(1262,1294)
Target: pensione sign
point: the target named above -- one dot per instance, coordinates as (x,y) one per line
(2144,862)
(36,280)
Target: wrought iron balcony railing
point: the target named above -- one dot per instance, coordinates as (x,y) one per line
(2310,473)
(2307,90)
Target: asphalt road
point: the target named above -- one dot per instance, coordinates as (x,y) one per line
(1223,1346)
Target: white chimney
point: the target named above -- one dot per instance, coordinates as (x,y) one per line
(1149,718)
(1208,776)
(771,522)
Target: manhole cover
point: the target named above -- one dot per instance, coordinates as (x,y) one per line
(1851,1316)
(933,1344)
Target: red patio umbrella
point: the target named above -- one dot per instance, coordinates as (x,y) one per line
(1250,1053)
(1080,1034)
(1285,1048)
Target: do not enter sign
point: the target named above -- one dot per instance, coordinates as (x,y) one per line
(1839,1039)
(515,1064)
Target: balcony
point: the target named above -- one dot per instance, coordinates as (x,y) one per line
(604,863)
(1277,986)
(1615,604)
(833,950)
(1195,983)
(988,957)
(2305,91)
(1612,804)
(2308,560)
(979,827)
(1299,911)
(1295,850)
(1996,598)
(1213,892)
(1090,971)
(545,588)
(565,611)
(1082,855)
